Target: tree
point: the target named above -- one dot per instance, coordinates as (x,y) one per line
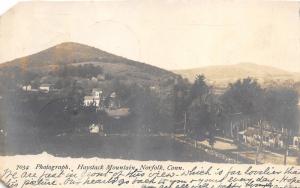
(211,139)
(83,71)
(181,91)
(244,96)
(204,116)
(123,91)
(144,106)
(281,108)
(243,101)
(204,111)
(28,76)
(199,88)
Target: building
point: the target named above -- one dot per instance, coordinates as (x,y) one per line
(94,79)
(94,99)
(26,88)
(296,142)
(96,92)
(46,88)
(218,90)
(118,113)
(3,132)
(113,101)
(100,77)
(270,138)
(91,101)
(95,128)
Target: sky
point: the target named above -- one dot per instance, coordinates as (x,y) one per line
(171,34)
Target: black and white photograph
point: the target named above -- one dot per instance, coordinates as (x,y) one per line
(183,81)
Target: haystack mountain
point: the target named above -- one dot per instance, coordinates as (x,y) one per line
(75,54)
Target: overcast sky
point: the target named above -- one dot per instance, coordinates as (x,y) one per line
(168,34)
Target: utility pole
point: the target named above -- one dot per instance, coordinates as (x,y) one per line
(184,126)
(287,136)
(259,147)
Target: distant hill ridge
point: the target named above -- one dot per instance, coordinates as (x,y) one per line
(224,74)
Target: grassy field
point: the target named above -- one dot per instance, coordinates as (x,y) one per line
(161,148)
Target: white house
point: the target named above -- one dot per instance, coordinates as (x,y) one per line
(296,142)
(3,132)
(26,88)
(94,79)
(94,129)
(91,101)
(45,87)
(94,99)
(96,92)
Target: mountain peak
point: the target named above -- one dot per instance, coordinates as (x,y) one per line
(72,45)
(63,53)
(247,64)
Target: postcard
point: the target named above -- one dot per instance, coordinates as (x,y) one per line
(150,94)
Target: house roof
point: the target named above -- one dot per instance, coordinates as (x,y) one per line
(250,131)
(97,90)
(45,85)
(121,112)
(89,98)
(113,95)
